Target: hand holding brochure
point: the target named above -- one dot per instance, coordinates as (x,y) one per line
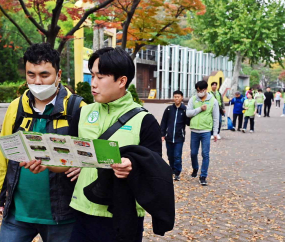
(60,150)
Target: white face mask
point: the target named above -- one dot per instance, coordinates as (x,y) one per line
(201,94)
(43,92)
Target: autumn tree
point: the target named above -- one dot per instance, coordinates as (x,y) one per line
(242,29)
(46,16)
(145,22)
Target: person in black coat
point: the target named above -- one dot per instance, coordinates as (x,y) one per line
(172,126)
(267,102)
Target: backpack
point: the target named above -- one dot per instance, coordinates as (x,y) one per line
(72,106)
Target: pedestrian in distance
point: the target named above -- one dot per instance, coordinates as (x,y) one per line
(250,108)
(173,125)
(222,109)
(259,98)
(278,96)
(237,101)
(269,99)
(39,203)
(203,109)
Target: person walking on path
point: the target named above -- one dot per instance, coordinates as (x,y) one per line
(172,126)
(267,102)
(278,96)
(222,109)
(250,110)
(39,203)
(203,109)
(259,98)
(237,101)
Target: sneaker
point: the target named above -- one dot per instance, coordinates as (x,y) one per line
(282,115)
(212,137)
(259,116)
(218,136)
(239,130)
(177,178)
(203,181)
(251,131)
(233,129)
(194,173)
(243,130)
(276,107)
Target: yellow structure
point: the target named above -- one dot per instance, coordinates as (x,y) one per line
(216,76)
(80,52)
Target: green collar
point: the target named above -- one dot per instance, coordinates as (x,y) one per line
(125,101)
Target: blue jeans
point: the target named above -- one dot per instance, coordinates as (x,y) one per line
(174,153)
(16,231)
(259,108)
(284,109)
(205,139)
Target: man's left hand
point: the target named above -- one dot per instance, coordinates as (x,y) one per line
(34,166)
(122,170)
(73,173)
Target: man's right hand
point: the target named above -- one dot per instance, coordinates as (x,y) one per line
(162,138)
(1,210)
(204,107)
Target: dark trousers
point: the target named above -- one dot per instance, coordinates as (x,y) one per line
(267,107)
(251,123)
(90,228)
(220,125)
(278,103)
(174,153)
(240,117)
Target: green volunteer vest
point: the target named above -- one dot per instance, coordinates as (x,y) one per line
(95,119)
(250,104)
(259,98)
(218,96)
(203,120)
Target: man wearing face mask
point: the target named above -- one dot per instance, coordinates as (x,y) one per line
(39,203)
(203,109)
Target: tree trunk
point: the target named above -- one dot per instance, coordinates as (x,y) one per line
(136,50)
(236,72)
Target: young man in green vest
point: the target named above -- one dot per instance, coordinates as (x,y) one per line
(203,109)
(222,109)
(259,97)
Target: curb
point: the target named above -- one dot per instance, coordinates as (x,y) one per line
(4,105)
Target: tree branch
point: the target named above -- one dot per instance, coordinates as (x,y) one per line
(16,25)
(55,15)
(32,19)
(81,21)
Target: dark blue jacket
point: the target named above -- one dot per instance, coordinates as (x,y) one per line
(173,123)
(238,103)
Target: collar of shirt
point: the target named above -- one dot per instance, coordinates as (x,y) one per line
(51,102)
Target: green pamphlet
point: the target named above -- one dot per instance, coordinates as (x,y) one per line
(60,150)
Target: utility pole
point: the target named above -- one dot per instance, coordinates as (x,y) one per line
(68,62)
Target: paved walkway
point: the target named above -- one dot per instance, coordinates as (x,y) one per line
(245,197)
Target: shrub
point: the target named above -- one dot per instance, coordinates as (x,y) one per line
(83,89)
(133,91)
(8,94)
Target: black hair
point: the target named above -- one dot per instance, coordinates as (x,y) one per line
(249,92)
(201,85)
(267,87)
(37,53)
(259,90)
(178,92)
(213,83)
(115,62)
(279,90)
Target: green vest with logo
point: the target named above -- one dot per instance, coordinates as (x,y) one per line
(95,119)
(218,96)
(259,98)
(203,120)
(250,104)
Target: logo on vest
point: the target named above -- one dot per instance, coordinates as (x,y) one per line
(93,117)
(112,144)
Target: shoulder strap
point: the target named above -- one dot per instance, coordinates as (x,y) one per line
(121,122)
(19,117)
(73,104)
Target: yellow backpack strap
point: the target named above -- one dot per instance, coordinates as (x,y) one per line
(19,117)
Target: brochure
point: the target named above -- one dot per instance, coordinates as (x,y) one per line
(60,150)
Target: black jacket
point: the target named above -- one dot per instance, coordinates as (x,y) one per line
(149,183)
(173,123)
(269,97)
